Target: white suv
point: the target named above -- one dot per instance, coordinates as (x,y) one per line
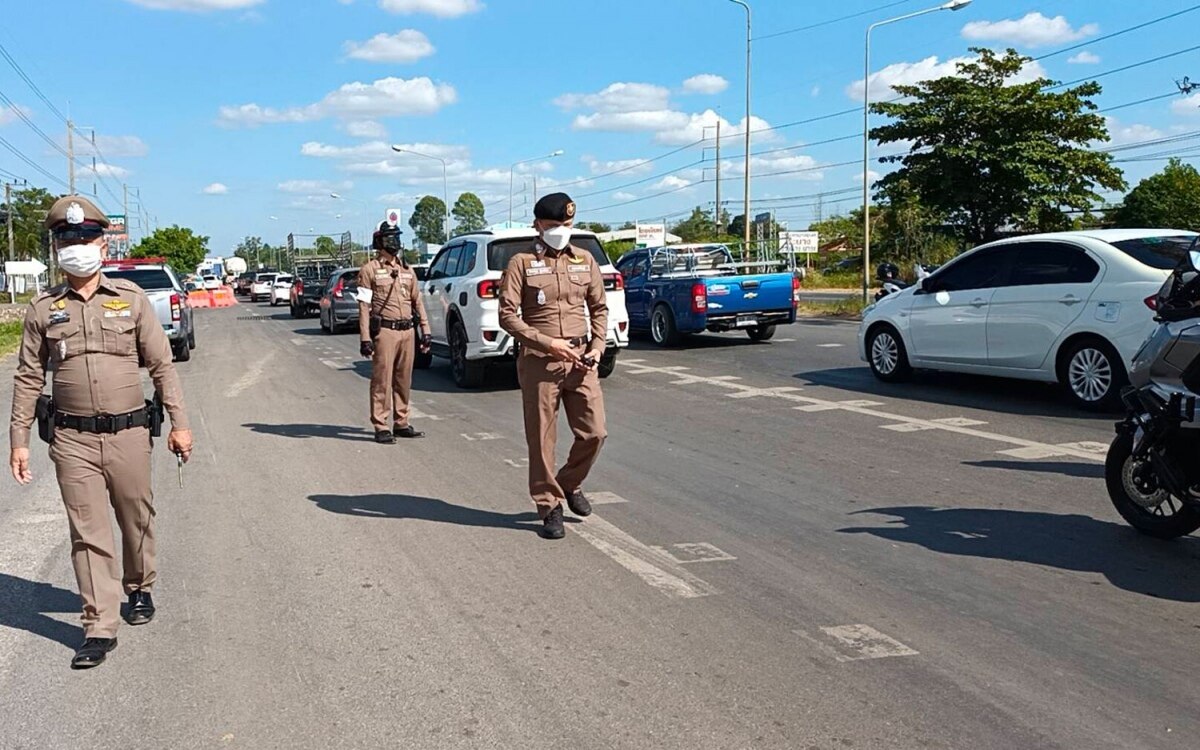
(461,294)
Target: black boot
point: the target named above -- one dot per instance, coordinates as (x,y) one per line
(578,503)
(553,524)
(93,652)
(141,608)
(407,432)
(384,437)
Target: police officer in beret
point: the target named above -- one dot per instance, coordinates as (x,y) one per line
(546,299)
(390,312)
(92,331)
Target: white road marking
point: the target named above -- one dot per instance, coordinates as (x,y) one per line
(907,427)
(690,379)
(866,408)
(605,498)
(687,553)
(416,413)
(479,436)
(654,567)
(517,463)
(830,346)
(1100,449)
(784,341)
(299,341)
(959,422)
(859,642)
(757,392)
(340,363)
(251,376)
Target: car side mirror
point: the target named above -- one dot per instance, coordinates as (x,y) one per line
(1194,256)
(925,286)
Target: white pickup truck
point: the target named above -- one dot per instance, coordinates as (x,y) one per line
(166,294)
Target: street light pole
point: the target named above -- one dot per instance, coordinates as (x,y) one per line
(866,178)
(445,190)
(746,180)
(512,171)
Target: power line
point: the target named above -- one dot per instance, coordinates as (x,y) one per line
(1114,34)
(1124,68)
(831,21)
(9,58)
(31,163)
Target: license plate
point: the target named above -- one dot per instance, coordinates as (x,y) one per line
(746,321)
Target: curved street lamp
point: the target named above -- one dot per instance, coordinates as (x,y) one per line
(445,191)
(511,171)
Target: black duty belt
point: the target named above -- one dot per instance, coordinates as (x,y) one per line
(580,341)
(103,424)
(396,325)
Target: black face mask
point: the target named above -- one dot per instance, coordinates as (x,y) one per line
(388,242)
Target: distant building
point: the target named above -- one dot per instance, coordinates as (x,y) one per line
(630,235)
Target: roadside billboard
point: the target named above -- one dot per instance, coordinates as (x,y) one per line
(651,235)
(799,243)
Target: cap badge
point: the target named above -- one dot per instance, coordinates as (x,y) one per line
(570,210)
(75,214)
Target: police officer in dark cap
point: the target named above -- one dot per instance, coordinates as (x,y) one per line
(546,299)
(390,311)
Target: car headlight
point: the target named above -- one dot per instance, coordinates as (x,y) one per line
(869,309)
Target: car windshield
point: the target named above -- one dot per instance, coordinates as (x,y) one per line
(283,279)
(502,251)
(1163,253)
(150,279)
(265,277)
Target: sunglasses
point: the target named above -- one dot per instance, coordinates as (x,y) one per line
(82,233)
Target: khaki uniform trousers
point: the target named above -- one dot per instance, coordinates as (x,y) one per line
(546,383)
(94,472)
(391,371)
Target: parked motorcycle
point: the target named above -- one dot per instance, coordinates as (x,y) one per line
(888,276)
(1153,464)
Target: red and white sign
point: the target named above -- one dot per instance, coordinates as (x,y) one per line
(393,216)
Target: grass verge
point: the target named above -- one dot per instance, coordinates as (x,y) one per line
(10,336)
(842,280)
(850,308)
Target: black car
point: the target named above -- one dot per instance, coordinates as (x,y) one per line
(306,294)
(242,284)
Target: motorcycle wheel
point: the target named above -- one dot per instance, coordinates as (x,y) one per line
(1137,495)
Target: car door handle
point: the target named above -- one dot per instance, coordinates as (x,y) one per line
(432,290)
(1070,299)
(448,287)
(978,302)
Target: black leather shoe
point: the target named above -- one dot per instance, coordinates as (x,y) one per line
(384,437)
(553,524)
(93,652)
(407,432)
(578,503)
(141,608)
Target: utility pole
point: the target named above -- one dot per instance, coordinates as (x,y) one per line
(95,187)
(8,212)
(71,157)
(717,212)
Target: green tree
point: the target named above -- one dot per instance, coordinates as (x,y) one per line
(1170,198)
(183,248)
(428,220)
(469,214)
(838,227)
(29,208)
(988,152)
(628,225)
(595,226)
(250,249)
(696,228)
(325,246)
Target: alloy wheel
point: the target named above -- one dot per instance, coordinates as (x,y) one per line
(1090,374)
(885,353)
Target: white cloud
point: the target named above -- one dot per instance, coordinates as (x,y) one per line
(386,97)
(9,114)
(107,170)
(1084,58)
(872,175)
(365,129)
(796,166)
(907,74)
(697,127)
(313,187)
(1189,105)
(1134,133)
(112,146)
(705,83)
(623,196)
(671,182)
(439,8)
(215,188)
(619,97)
(624,166)
(1032,30)
(405,46)
(196,5)
(627,122)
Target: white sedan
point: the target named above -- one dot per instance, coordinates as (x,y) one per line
(211,282)
(281,289)
(1067,307)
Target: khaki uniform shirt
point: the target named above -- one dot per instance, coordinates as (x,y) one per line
(391,299)
(548,295)
(94,348)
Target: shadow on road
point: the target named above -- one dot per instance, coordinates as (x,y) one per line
(330,431)
(23,605)
(640,342)
(1017,397)
(310,332)
(425,509)
(1165,570)
(1066,468)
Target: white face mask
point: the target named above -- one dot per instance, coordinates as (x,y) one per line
(558,237)
(81,261)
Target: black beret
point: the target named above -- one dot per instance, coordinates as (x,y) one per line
(554,207)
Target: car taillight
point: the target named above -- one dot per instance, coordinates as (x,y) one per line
(339,289)
(176,310)
(795,291)
(614,281)
(699,298)
(1152,302)
(299,286)
(488,289)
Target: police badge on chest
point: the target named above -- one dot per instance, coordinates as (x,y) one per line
(541,297)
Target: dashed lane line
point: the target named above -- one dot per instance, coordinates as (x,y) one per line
(653,566)
(1019,447)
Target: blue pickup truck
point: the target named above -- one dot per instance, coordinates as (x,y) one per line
(674,291)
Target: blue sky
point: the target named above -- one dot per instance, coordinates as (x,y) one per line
(225,113)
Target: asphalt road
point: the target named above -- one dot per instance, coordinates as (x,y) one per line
(788,555)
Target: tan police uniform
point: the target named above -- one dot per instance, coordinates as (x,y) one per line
(394,296)
(93,346)
(548,295)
